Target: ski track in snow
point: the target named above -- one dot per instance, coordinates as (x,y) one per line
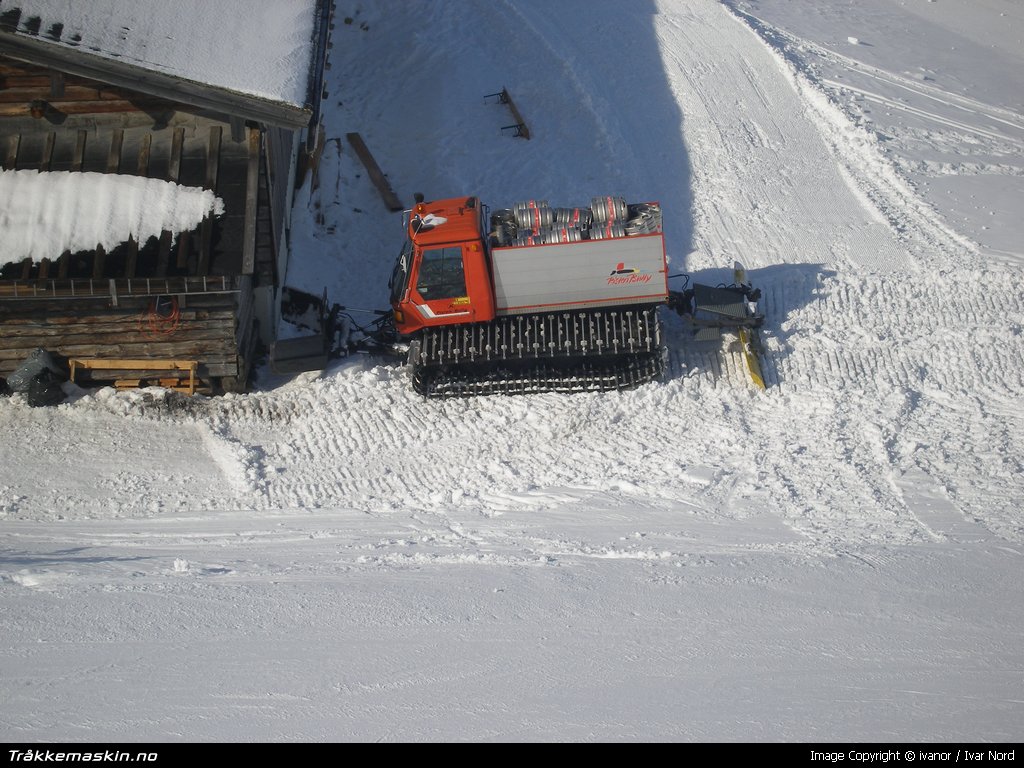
(936,136)
(894,358)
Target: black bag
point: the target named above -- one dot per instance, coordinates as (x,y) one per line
(39,379)
(44,389)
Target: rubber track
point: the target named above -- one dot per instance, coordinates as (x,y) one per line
(578,351)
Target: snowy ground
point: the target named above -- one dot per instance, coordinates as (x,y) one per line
(837,558)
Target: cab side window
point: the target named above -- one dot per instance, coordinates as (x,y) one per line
(441,275)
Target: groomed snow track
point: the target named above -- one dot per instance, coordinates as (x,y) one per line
(890,349)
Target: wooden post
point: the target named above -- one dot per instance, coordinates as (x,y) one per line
(11,159)
(113,166)
(142,170)
(114,156)
(79,157)
(173,171)
(10,164)
(213,157)
(212,171)
(56,84)
(44,165)
(47,159)
(252,184)
(144,151)
(76,166)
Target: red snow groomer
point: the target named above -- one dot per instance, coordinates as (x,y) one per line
(534,298)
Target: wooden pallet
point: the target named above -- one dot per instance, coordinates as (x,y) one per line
(179,383)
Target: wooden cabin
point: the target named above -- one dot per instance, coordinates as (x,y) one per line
(156,90)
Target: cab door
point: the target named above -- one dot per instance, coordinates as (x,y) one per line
(439,293)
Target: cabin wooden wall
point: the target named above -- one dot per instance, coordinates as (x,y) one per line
(55,122)
(205,328)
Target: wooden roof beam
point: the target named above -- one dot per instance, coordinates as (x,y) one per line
(123,75)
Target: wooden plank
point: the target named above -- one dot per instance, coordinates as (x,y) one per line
(79,157)
(86,335)
(47,159)
(99,262)
(174,163)
(213,157)
(164,253)
(142,169)
(117,325)
(217,335)
(114,155)
(113,166)
(212,172)
(219,341)
(122,323)
(520,125)
(132,257)
(184,246)
(44,319)
(11,79)
(207,369)
(90,107)
(252,184)
(245,312)
(223,331)
(133,364)
(190,366)
(57,85)
(173,171)
(180,349)
(204,354)
(221,365)
(11,158)
(25,90)
(185,386)
(377,176)
(144,152)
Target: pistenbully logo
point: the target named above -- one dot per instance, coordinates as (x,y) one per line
(623,275)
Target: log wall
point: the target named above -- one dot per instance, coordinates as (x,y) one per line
(207,329)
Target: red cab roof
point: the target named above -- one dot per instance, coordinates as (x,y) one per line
(454,220)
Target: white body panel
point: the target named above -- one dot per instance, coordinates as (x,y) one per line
(583,275)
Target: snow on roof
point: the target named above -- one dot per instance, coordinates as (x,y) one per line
(44,214)
(262,49)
